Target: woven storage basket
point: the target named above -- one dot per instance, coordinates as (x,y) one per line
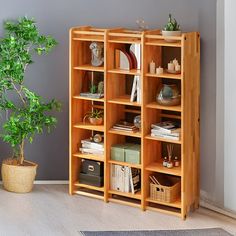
(165,193)
(18,179)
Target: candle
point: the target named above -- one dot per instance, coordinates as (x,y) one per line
(175,62)
(177,67)
(152,67)
(171,66)
(159,70)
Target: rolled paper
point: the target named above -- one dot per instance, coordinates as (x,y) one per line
(177,67)
(152,67)
(159,70)
(175,62)
(171,66)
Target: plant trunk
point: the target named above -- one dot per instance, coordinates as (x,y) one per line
(22,152)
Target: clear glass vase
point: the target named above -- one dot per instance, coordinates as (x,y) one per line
(168,95)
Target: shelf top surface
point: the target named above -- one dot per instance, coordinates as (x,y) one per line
(124,100)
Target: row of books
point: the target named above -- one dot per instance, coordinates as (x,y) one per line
(125,126)
(167,129)
(125,179)
(90,147)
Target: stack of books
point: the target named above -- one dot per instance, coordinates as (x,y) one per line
(90,147)
(167,129)
(125,126)
(125,179)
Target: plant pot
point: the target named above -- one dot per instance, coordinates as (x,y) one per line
(18,179)
(169,34)
(96,121)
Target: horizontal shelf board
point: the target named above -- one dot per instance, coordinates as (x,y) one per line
(165,75)
(125,133)
(171,212)
(89,38)
(125,72)
(89,156)
(163,139)
(162,42)
(126,41)
(92,31)
(129,195)
(124,100)
(176,204)
(155,105)
(138,166)
(89,126)
(100,189)
(158,167)
(90,68)
(86,194)
(127,203)
(89,99)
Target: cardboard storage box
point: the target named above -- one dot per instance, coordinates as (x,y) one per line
(91,179)
(118,152)
(133,154)
(92,167)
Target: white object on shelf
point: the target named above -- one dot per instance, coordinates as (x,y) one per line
(171,66)
(159,70)
(152,67)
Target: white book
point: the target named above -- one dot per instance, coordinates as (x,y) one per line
(157,132)
(113,176)
(138,89)
(166,136)
(136,49)
(131,181)
(92,144)
(126,180)
(122,179)
(134,90)
(87,145)
(91,151)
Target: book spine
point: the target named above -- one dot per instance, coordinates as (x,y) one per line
(88,145)
(166,136)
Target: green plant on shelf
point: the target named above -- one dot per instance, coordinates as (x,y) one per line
(172,25)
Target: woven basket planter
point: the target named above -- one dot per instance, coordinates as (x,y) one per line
(18,179)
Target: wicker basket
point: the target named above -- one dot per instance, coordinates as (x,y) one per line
(164,193)
(18,179)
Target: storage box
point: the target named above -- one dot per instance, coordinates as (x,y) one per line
(92,167)
(133,154)
(91,179)
(118,152)
(167,191)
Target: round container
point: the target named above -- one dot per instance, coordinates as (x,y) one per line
(95,121)
(168,95)
(169,34)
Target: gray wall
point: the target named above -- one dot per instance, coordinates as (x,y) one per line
(49,75)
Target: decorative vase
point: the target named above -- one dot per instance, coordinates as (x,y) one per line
(168,95)
(95,121)
(170,33)
(137,121)
(18,179)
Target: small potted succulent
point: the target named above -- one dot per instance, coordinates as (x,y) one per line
(95,117)
(172,28)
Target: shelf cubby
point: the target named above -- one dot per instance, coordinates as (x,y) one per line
(117,106)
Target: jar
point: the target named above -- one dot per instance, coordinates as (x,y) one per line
(168,95)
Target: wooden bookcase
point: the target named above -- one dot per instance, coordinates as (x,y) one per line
(116,105)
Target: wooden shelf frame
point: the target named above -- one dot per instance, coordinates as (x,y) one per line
(154,47)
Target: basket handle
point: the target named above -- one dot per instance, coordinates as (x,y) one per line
(154,180)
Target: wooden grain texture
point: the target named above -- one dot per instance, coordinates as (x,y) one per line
(116,105)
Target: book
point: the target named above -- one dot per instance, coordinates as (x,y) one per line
(175,133)
(92,95)
(126,179)
(134,90)
(87,143)
(166,136)
(91,151)
(135,180)
(166,126)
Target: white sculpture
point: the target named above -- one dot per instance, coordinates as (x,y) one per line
(97,53)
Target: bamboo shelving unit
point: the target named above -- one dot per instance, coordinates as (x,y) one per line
(116,104)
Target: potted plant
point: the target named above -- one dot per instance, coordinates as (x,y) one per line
(27,114)
(172,28)
(95,117)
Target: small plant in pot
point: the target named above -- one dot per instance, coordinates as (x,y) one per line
(172,28)
(95,117)
(24,113)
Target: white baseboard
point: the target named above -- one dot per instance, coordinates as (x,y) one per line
(51,181)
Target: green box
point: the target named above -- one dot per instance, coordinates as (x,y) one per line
(133,154)
(118,152)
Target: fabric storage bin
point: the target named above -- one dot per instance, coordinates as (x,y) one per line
(118,152)
(167,191)
(92,167)
(91,179)
(132,154)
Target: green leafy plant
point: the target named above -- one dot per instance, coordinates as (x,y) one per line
(172,25)
(97,114)
(93,88)
(27,115)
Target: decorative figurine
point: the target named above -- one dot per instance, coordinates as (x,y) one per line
(97,53)
(152,67)
(165,161)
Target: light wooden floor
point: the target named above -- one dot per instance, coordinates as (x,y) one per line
(49,210)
